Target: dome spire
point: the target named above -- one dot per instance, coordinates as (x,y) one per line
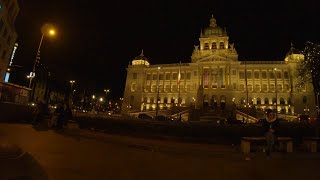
(141,52)
(213,21)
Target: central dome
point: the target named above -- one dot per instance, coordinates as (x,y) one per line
(214,29)
(141,60)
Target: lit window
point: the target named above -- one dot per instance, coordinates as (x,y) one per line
(206,46)
(265,87)
(133,86)
(257,88)
(214,45)
(221,45)
(264,74)
(188,75)
(241,75)
(234,72)
(256,75)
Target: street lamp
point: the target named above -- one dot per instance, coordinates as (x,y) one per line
(317,103)
(157,103)
(71,92)
(106,91)
(276,90)
(71,83)
(46,30)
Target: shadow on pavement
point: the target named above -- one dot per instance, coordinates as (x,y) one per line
(22,167)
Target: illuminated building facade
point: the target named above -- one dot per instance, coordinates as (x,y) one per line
(9,10)
(216,79)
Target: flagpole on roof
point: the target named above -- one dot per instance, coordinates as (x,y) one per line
(179,77)
(246,80)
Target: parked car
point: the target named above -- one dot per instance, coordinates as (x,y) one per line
(162,118)
(303,118)
(144,116)
(234,121)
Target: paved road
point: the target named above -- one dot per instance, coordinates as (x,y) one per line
(78,154)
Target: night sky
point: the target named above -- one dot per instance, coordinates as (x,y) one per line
(97,39)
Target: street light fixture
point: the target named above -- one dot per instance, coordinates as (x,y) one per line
(72,82)
(276,90)
(46,30)
(71,92)
(157,103)
(106,91)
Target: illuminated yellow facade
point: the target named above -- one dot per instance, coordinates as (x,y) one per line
(216,79)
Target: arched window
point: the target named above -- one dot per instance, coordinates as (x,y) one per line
(152,100)
(272,87)
(304,99)
(167,88)
(174,88)
(286,74)
(258,101)
(153,88)
(165,100)
(266,101)
(265,87)
(282,102)
(257,88)
(286,87)
(206,46)
(274,101)
(214,45)
(221,45)
(250,87)
(279,88)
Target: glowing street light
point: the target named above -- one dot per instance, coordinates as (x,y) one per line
(46,30)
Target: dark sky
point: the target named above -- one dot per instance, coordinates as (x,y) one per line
(97,39)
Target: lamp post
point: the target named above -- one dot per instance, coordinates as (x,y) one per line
(45,30)
(276,90)
(317,100)
(71,92)
(157,103)
(107,91)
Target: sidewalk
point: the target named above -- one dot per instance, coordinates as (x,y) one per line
(81,154)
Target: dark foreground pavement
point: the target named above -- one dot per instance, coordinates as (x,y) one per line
(78,154)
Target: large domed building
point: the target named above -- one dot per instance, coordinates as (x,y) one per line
(215,78)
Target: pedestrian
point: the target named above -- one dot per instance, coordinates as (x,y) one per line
(270,125)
